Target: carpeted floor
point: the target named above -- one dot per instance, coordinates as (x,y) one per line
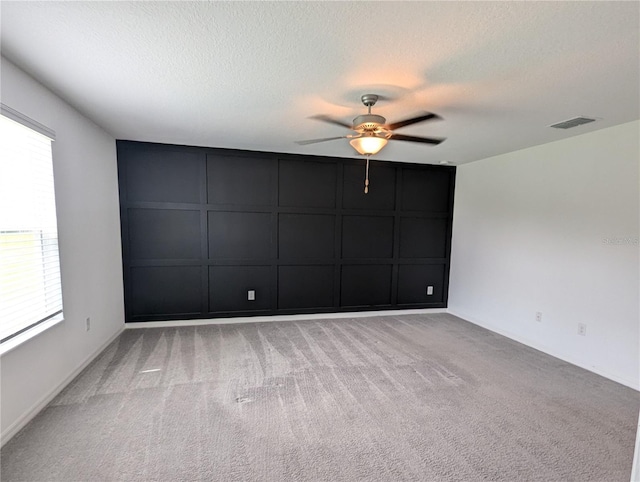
(412,397)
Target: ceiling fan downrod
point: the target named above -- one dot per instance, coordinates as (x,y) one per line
(369,100)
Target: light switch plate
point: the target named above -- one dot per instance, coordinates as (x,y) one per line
(251,295)
(429,290)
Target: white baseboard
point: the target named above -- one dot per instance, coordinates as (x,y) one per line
(604,373)
(263,319)
(16,426)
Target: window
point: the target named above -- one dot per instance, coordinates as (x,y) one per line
(30,289)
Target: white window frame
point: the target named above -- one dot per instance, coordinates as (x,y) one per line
(28,330)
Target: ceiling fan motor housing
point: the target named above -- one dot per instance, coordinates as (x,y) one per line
(368,123)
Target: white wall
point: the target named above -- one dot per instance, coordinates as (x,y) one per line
(531,232)
(91,261)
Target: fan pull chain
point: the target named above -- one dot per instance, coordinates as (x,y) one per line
(366,178)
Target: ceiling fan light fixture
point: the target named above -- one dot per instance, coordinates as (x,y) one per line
(368,145)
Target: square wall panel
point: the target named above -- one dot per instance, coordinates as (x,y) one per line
(164,234)
(307,184)
(365,285)
(423,237)
(239,235)
(305,287)
(414,280)
(229,288)
(425,190)
(166,290)
(163,176)
(367,236)
(306,236)
(239,180)
(382,187)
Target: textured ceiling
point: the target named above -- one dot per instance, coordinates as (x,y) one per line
(248,74)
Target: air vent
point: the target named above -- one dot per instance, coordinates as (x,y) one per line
(575,122)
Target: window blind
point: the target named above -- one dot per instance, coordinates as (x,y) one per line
(30,287)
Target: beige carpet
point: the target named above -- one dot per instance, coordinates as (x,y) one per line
(392,398)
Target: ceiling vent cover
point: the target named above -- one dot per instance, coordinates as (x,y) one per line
(575,122)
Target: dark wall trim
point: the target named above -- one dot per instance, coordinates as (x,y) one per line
(201,227)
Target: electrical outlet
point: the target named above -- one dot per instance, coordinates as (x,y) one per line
(251,295)
(88,324)
(582,329)
(538,315)
(429,290)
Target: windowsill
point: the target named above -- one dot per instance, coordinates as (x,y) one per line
(16,341)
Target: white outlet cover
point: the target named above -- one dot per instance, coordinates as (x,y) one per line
(251,295)
(429,290)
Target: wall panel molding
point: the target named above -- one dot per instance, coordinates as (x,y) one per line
(210,233)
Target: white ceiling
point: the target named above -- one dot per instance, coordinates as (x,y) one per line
(248,74)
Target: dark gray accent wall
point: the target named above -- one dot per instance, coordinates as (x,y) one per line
(201,227)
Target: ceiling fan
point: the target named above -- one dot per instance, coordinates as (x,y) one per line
(372,131)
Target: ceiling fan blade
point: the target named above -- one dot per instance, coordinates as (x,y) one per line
(423,140)
(331,120)
(313,141)
(413,120)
